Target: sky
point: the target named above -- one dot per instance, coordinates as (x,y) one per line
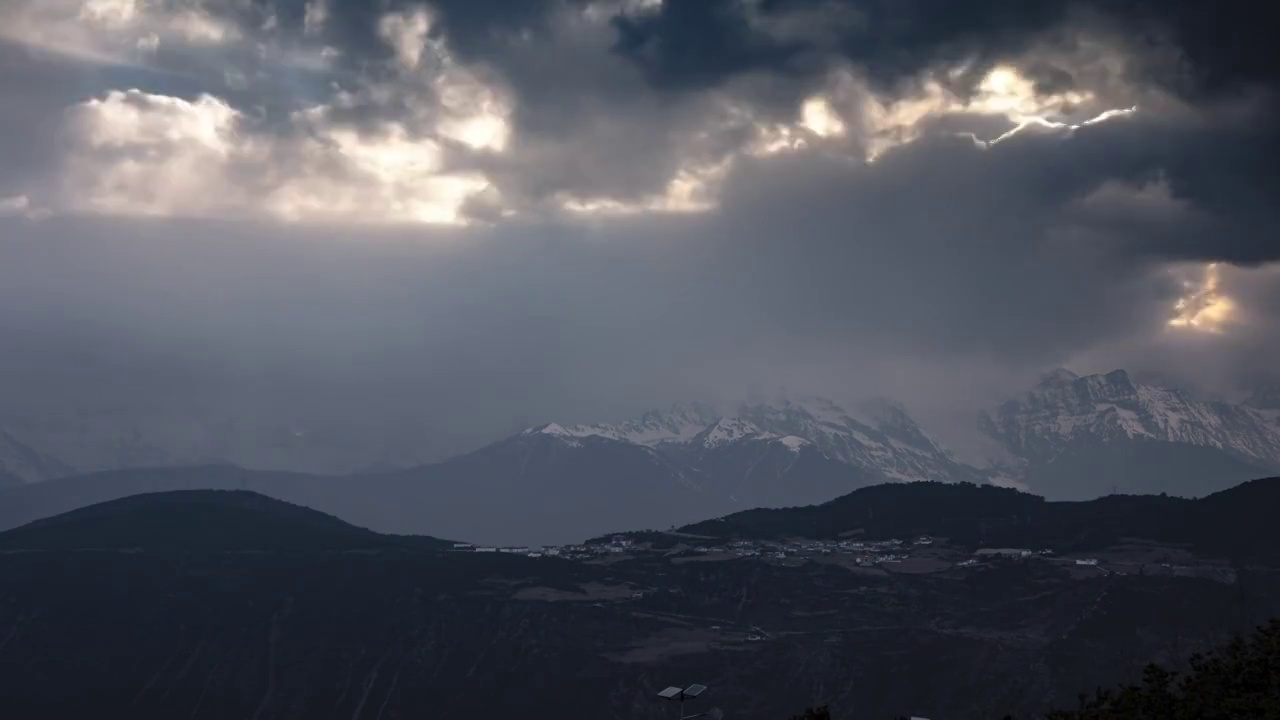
(469,216)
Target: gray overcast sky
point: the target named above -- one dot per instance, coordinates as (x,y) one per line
(466,216)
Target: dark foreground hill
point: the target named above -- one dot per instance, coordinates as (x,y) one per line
(1238,522)
(97,621)
(199,521)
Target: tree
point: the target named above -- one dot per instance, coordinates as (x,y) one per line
(1238,682)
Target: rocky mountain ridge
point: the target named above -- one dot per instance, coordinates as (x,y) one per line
(1077,436)
(877,436)
(1069,409)
(1070,437)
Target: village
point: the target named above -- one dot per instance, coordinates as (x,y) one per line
(619,545)
(858,552)
(916,555)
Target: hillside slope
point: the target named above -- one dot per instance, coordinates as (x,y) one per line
(196,521)
(1236,522)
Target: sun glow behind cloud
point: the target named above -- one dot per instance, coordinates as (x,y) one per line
(817,116)
(1204,307)
(1006,91)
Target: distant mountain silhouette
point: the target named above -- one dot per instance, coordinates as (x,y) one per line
(198,521)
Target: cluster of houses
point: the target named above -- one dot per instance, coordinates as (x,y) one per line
(1023,553)
(861,552)
(865,553)
(570,552)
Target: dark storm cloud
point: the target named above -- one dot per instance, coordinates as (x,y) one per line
(818,270)
(1207,53)
(1229,173)
(565,92)
(476,29)
(582,118)
(699,43)
(832,247)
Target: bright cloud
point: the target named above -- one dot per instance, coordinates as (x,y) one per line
(406,33)
(137,152)
(1003,92)
(384,175)
(816,115)
(121,32)
(144,154)
(154,155)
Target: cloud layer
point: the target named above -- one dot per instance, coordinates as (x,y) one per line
(445,210)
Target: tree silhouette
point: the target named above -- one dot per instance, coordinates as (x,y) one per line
(1238,682)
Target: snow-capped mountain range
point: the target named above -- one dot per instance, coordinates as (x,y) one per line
(1078,436)
(1068,437)
(1066,410)
(691,459)
(877,437)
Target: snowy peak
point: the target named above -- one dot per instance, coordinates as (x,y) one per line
(569,436)
(793,443)
(877,436)
(728,431)
(1096,409)
(725,431)
(678,424)
(552,429)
